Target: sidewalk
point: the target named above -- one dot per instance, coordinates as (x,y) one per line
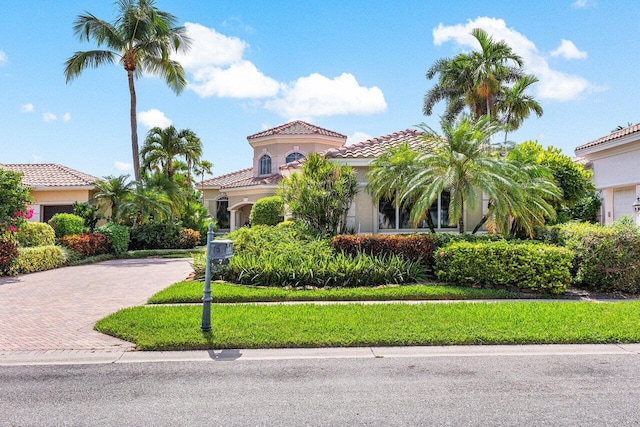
(53,312)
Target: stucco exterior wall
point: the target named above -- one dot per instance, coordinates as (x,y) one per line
(50,197)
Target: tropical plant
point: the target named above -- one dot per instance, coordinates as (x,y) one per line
(163,147)
(515,104)
(113,192)
(389,173)
(141,39)
(14,200)
(320,194)
(461,162)
(89,212)
(473,79)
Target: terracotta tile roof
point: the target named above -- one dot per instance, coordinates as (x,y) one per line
(222,180)
(51,175)
(297,127)
(613,135)
(372,148)
(241,178)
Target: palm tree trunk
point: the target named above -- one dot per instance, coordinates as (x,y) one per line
(461,219)
(134,128)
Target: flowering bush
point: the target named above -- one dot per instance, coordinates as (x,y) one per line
(14,201)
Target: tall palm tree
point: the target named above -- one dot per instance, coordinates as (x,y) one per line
(192,150)
(114,191)
(144,204)
(491,68)
(141,39)
(515,104)
(474,79)
(461,162)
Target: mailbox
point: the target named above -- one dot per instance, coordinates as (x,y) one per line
(220,250)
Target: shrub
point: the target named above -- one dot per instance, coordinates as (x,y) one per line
(8,252)
(537,267)
(189,238)
(36,234)
(267,211)
(65,224)
(155,235)
(416,247)
(118,234)
(606,258)
(90,213)
(87,245)
(289,255)
(443,239)
(39,258)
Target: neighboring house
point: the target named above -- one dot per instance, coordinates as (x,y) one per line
(615,162)
(230,197)
(54,187)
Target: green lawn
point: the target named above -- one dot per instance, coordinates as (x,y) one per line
(308,325)
(191,291)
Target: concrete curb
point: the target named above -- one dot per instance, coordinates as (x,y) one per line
(239,355)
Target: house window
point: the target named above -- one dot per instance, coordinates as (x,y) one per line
(293,157)
(264,165)
(398,218)
(221,214)
(49,211)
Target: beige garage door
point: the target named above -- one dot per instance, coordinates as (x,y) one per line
(623,199)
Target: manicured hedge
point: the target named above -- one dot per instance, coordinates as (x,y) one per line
(87,245)
(155,235)
(65,224)
(606,258)
(35,234)
(39,258)
(415,247)
(118,234)
(267,211)
(536,267)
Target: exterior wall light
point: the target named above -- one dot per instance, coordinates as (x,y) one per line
(636,204)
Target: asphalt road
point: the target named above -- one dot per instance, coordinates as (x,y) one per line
(567,390)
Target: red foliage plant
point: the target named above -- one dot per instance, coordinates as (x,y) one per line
(418,247)
(87,244)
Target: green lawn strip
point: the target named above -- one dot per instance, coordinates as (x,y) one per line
(309,325)
(191,292)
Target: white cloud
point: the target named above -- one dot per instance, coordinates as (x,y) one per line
(358,137)
(3,58)
(122,166)
(553,85)
(240,80)
(49,117)
(36,158)
(27,108)
(152,118)
(568,50)
(215,63)
(583,4)
(66,117)
(317,95)
(208,47)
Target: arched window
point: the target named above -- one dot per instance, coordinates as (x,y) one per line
(293,157)
(265,165)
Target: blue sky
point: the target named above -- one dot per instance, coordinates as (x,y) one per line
(354,67)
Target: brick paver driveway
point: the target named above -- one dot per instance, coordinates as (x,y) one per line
(54,311)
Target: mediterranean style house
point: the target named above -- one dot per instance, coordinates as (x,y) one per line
(615,160)
(276,152)
(54,187)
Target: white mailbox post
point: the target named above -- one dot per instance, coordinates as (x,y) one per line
(218,252)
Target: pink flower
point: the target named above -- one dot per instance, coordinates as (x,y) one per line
(441,254)
(29,214)
(12,228)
